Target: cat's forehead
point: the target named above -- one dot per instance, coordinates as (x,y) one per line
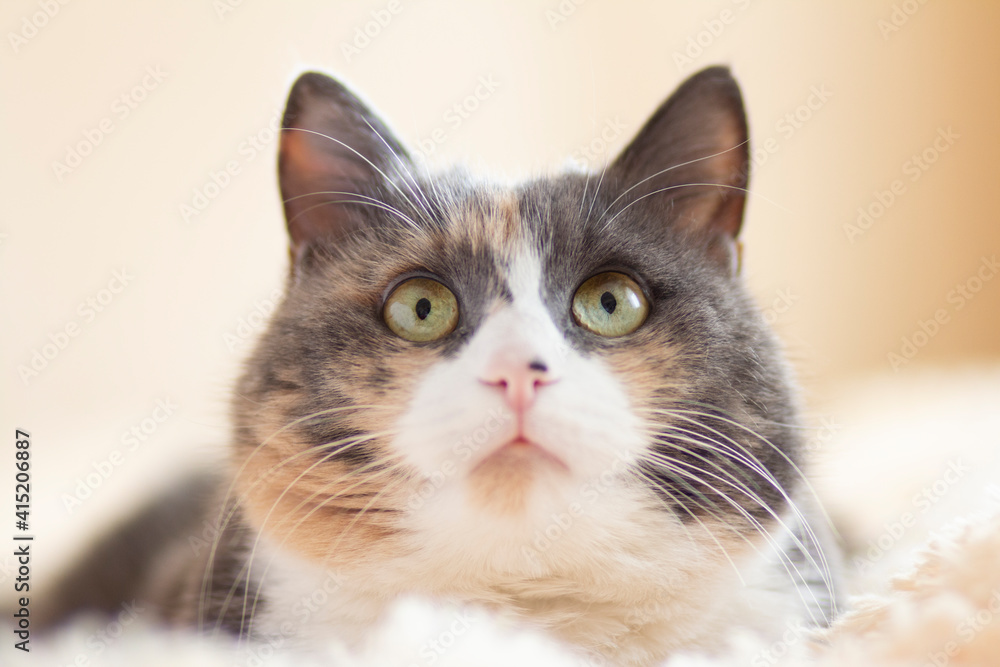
(489,217)
(491,222)
(517,227)
(547,231)
(523,238)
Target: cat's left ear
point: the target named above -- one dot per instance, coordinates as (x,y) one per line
(691,161)
(335,153)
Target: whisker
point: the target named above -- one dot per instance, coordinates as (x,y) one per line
(597,191)
(810,534)
(644,475)
(244,571)
(787,562)
(226,513)
(388,470)
(365,201)
(671,168)
(388,180)
(411,183)
(704,505)
(823,565)
(688,185)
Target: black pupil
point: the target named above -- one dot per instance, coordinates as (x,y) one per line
(609,302)
(424,308)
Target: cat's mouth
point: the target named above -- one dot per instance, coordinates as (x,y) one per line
(520,451)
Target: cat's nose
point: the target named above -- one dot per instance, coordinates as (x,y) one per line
(519,379)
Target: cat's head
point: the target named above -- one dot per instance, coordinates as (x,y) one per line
(458,366)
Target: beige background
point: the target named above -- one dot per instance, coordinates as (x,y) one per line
(563,72)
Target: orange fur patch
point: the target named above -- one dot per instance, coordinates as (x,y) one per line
(502,482)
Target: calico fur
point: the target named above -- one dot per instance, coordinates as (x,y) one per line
(661,502)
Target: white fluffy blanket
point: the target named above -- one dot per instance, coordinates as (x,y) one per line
(941,607)
(943,611)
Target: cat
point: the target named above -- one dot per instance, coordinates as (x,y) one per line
(553,400)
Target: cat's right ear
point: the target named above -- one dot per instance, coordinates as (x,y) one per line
(691,161)
(334,153)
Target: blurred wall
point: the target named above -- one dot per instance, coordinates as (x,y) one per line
(146,262)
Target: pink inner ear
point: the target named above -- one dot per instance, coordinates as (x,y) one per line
(298,162)
(306,162)
(309,168)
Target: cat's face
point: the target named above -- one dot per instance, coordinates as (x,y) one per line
(457,366)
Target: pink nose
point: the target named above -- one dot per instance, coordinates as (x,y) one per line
(519,380)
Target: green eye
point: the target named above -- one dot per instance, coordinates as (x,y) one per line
(421,309)
(610,304)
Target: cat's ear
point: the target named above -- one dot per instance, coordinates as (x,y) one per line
(334,154)
(692,158)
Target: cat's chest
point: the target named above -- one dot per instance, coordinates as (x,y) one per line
(627,604)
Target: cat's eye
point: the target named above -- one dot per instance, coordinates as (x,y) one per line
(610,304)
(421,310)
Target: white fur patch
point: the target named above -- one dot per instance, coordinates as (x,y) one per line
(582,417)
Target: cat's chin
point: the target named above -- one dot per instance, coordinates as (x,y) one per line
(503,480)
